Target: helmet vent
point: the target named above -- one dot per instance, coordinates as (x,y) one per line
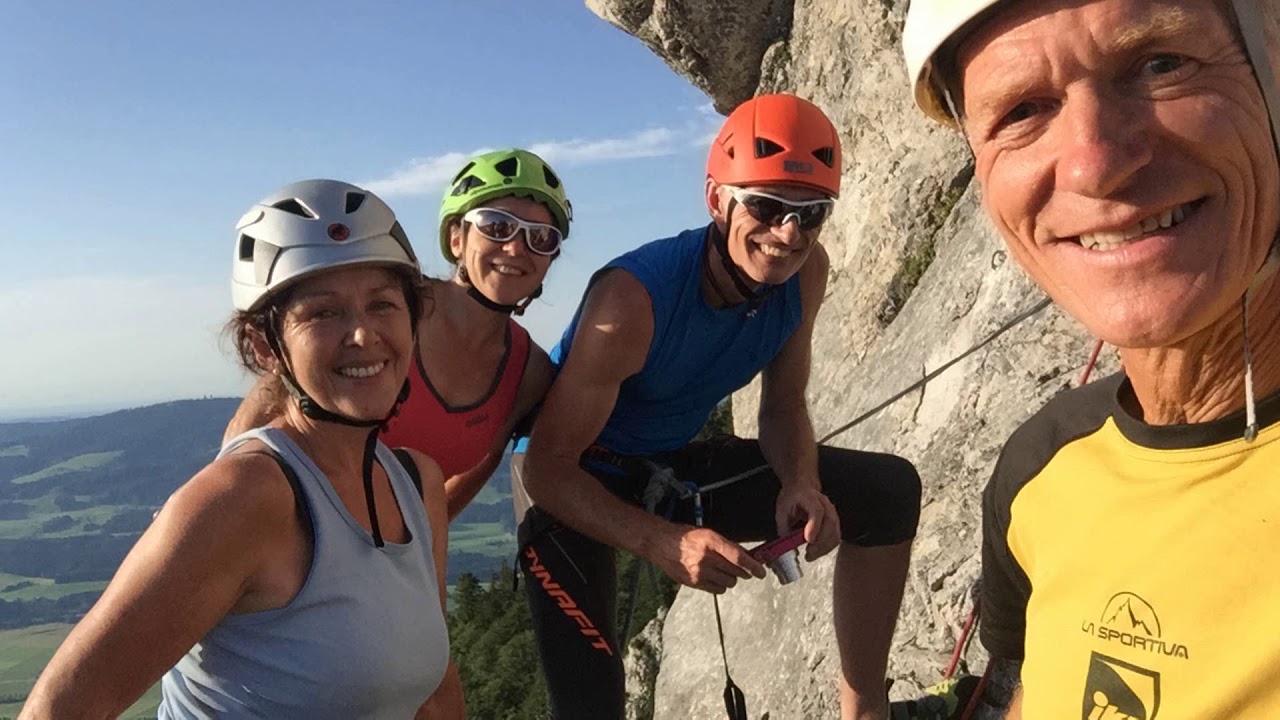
(246,247)
(466,169)
(295,207)
(508,167)
(354,201)
(766,147)
(466,185)
(826,156)
(552,181)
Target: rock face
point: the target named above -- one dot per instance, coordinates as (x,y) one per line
(717,44)
(917,277)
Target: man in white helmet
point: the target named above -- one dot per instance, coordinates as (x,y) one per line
(1127,154)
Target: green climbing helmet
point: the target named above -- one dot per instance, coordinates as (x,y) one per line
(499,174)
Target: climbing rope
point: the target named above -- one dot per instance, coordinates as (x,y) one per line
(1006,327)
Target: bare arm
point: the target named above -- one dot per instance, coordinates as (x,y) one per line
(462,488)
(447,701)
(611,344)
(786,431)
(264,403)
(192,567)
(1015,706)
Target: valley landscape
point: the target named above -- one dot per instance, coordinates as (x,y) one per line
(76,494)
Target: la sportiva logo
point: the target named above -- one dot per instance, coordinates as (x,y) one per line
(1131,621)
(1117,690)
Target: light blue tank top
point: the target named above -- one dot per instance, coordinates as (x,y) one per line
(365,637)
(699,354)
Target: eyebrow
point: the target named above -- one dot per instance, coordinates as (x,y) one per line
(312,294)
(1162,25)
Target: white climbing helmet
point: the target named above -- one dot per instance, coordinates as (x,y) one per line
(310,226)
(933,25)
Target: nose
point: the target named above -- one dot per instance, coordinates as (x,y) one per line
(789,231)
(517,245)
(361,333)
(1104,144)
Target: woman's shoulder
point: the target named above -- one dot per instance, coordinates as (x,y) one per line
(243,489)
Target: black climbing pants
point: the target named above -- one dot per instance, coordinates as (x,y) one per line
(570,579)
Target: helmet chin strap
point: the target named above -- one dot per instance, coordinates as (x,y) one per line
(1250,405)
(315,411)
(474,293)
(753,297)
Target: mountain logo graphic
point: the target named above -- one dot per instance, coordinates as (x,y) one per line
(1131,621)
(1117,690)
(1127,612)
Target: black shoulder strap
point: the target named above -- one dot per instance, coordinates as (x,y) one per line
(299,501)
(410,467)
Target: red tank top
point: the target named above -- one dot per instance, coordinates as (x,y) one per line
(459,437)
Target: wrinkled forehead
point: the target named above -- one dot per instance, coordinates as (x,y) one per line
(1105,26)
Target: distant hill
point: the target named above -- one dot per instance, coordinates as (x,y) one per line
(76,494)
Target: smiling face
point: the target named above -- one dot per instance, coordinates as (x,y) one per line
(349,341)
(506,273)
(1125,155)
(766,253)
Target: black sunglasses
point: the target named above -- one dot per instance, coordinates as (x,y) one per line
(775,211)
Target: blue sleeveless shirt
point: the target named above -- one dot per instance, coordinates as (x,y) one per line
(365,637)
(699,354)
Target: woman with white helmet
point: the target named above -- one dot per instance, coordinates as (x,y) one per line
(503,220)
(300,574)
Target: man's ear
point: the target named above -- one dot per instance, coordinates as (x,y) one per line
(715,203)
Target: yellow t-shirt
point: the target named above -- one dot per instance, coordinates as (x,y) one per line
(1136,568)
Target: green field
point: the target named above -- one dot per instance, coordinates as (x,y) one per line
(24,653)
(43,509)
(87,461)
(482,538)
(14,451)
(43,588)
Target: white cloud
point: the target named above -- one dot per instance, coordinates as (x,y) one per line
(428,175)
(655,142)
(421,176)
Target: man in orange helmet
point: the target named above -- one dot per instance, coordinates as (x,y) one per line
(664,333)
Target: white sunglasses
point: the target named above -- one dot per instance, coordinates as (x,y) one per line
(501,226)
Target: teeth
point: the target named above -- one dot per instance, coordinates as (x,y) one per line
(362,372)
(1111,240)
(507,270)
(774,251)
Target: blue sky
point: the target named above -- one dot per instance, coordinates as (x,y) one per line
(136,134)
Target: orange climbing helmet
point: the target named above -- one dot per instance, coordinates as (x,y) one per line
(777,139)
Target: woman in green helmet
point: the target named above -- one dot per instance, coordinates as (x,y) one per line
(476,371)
